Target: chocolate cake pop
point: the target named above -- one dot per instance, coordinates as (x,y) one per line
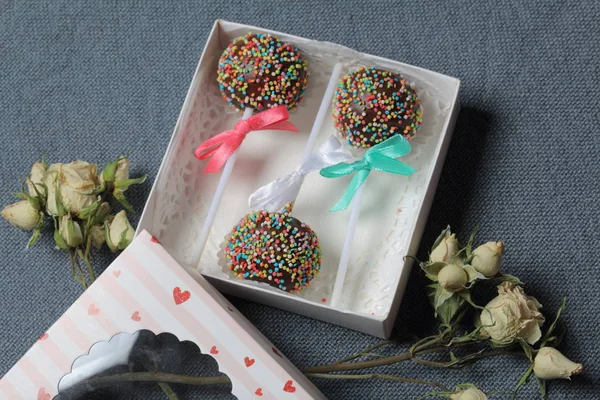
(259,71)
(274,248)
(372,105)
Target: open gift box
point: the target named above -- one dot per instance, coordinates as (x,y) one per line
(393,209)
(146,289)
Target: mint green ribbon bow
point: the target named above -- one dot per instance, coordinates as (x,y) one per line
(381,157)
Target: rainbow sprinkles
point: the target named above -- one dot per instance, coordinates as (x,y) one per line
(259,71)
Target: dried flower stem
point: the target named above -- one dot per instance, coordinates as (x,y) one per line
(86,260)
(157,377)
(171,395)
(76,269)
(379,376)
(339,366)
(364,352)
(459,362)
(322,371)
(165,387)
(219,380)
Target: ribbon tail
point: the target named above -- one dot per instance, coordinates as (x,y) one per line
(222,154)
(203,154)
(401,168)
(209,146)
(385,164)
(262,195)
(279,201)
(281,126)
(337,170)
(398,168)
(276,194)
(356,182)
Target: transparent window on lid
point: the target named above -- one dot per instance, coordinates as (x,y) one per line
(144,366)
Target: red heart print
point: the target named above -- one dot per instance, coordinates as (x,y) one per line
(136,316)
(154,240)
(42,395)
(116,273)
(276,352)
(93,310)
(258,392)
(289,387)
(179,296)
(249,361)
(44,336)
(213,350)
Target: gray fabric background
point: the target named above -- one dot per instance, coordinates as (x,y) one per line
(95,79)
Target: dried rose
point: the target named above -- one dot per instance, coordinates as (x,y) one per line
(118,232)
(70,187)
(22,215)
(511,315)
(77,182)
(550,363)
(487,258)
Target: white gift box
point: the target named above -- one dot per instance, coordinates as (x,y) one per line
(146,289)
(393,211)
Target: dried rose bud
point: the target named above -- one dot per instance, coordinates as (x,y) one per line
(550,363)
(119,232)
(453,278)
(70,231)
(22,215)
(102,213)
(35,179)
(446,249)
(51,181)
(487,258)
(98,235)
(122,172)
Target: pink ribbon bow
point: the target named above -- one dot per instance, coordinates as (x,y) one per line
(223,145)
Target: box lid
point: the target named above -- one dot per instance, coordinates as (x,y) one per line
(146,289)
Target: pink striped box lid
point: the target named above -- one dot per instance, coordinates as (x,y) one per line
(146,289)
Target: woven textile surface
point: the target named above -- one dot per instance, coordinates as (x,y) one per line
(94,80)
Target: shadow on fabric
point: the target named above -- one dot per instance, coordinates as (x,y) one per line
(453,195)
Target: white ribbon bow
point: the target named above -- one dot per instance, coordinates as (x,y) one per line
(275,195)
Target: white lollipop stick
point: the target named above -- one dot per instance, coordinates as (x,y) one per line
(216,201)
(345,257)
(323,110)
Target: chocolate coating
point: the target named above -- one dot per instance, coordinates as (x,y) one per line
(273,248)
(372,105)
(260,71)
